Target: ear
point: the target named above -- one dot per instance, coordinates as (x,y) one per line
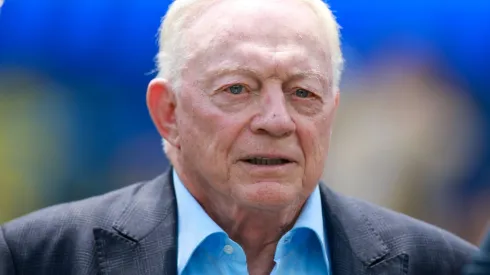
(162,103)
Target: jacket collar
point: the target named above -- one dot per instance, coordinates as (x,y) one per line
(142,240)
(356,246)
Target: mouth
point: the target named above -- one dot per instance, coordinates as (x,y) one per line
(266,161)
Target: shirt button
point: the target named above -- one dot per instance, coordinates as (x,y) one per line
(228,249)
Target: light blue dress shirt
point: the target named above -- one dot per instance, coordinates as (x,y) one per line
(204,248)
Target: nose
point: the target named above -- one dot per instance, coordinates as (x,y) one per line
(274,118)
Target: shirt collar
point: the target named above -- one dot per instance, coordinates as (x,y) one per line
(311,217)
(191,214)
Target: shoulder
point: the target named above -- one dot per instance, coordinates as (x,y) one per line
(429,248)
(97,211)
(403,232)
(64,233)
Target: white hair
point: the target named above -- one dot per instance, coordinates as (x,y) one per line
(173,52)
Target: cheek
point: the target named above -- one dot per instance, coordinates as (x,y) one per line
(324,127)
(316,145)
(206,129)
(315,138)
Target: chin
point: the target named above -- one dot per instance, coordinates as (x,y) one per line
(269,194)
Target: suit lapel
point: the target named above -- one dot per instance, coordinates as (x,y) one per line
(143,239)
(355,245)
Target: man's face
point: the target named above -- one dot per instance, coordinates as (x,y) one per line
(256,105)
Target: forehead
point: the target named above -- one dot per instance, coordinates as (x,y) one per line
(257,32)
(277,18)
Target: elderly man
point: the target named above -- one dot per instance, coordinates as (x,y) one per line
(245,98)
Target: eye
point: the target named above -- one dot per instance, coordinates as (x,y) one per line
(236,89)
(302,93)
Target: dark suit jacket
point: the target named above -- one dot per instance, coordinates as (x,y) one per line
(133,231)
(481,261)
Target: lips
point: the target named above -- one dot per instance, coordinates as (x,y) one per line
(267,161)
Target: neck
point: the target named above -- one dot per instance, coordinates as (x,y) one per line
(254,229)
(257,230)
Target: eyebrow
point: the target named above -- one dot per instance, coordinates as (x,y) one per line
(311,74)
(248,71)
(213,74)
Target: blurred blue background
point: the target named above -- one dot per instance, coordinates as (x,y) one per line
(415,95)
